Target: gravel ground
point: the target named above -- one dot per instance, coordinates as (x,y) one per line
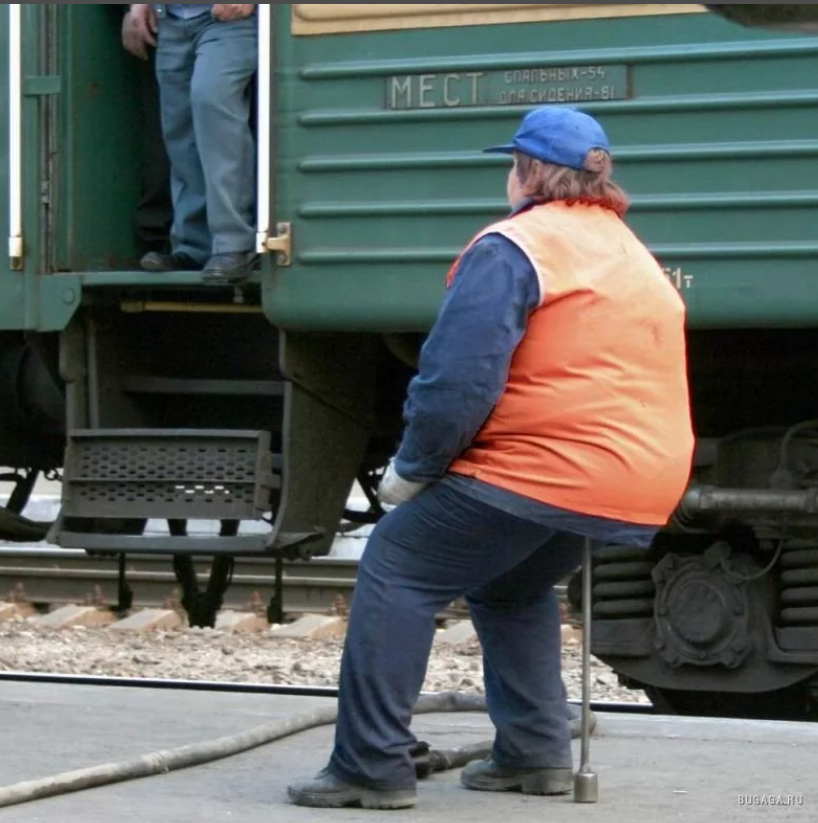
(251,658)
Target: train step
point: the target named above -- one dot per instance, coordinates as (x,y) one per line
(116,480)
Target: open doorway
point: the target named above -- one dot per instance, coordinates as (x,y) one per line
(90,155)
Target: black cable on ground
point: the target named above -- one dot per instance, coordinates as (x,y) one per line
(170,760)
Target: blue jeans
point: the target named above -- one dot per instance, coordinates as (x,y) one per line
(204,69)
(423,555)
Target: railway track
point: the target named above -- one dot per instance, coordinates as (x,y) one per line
(223,687)
(51,578)
(59,577)
(38,636)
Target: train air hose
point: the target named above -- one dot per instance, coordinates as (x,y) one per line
(18,529)
(427,760)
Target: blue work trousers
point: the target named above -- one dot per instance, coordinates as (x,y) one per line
(205,70)
(422,556)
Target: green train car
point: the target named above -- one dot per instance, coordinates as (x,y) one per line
(257,408)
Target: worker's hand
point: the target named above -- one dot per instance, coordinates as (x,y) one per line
(139,28)
(225,12)
(394,490)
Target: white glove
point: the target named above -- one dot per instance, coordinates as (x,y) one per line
(394,490)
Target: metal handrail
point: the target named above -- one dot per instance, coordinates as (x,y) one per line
(264,83)
(15,136)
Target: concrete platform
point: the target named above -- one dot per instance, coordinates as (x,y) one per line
(650,769)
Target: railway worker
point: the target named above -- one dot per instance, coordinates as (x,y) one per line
(551,406)
(206,60)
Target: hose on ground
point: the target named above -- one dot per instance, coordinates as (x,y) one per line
(170,760)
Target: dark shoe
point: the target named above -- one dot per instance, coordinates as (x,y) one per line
(230,268)
(328,792)
(160,263)
(487,776)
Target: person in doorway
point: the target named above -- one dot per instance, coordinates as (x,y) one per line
(206,60)
(551,406)
(154,211)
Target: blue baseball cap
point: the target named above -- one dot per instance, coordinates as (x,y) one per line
(561,135)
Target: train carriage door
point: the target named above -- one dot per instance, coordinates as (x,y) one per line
(75,138)
(29,95)
(31,88)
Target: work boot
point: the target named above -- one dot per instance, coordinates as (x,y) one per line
(159,263)
(487,776)
(227,269)
(329,792)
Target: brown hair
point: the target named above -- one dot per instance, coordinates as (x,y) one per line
(592,186)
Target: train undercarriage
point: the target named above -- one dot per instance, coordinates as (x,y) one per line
(719,617)
(167,446)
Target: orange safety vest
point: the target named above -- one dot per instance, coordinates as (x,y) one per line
(595,417)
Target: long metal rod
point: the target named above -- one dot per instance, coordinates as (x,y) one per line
(586,788)
(264,84)
(170,307)
(587,617)
(15,155)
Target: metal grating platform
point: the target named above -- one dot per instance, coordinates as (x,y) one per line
(205,475)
